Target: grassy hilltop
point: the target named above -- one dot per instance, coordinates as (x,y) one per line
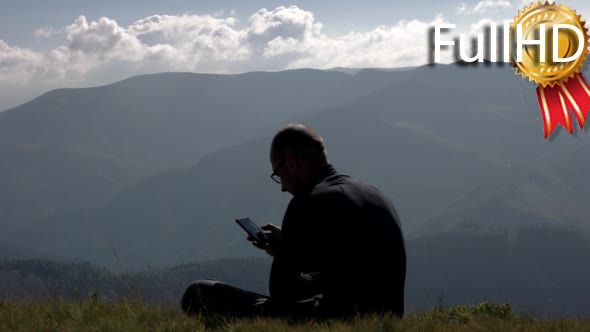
(94,315)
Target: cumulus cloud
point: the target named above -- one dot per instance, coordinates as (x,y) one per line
(282,38)
(18,65)
(402,44)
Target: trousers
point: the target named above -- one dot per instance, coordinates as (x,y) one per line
(210,296)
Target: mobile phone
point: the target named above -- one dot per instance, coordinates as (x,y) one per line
(253,230)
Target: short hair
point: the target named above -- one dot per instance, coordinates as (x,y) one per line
(300,141)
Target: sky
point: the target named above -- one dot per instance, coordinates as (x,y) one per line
(65,43)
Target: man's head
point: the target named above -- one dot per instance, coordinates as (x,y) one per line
(297,153)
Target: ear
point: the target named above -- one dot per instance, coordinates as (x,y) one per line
(293,163)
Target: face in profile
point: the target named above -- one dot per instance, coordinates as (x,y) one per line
(287,170)
(279,174)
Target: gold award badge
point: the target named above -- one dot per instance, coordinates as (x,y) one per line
(550,47)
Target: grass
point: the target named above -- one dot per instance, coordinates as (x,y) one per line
(94,315)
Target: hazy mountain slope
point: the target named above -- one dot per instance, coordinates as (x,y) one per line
(550,190)
(75,148)
(188,214)
(428,140)
(405,139)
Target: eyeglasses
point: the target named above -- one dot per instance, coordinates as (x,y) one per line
(274,175)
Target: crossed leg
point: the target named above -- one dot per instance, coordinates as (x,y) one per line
(213,296)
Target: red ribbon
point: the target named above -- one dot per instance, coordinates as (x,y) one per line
(556,102)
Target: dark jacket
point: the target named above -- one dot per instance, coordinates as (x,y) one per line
(342,239)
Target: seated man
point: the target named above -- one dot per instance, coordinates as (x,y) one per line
(340,249)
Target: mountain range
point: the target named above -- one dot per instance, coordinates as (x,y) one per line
(152,170)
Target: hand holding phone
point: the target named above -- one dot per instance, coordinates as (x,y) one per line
(266,237)
(254,232)
(273,235)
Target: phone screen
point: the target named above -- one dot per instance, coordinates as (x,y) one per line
(252,229)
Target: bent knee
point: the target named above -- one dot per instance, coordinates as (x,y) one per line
(195,294)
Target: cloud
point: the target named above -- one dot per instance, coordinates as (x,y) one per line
(283,38)
(18,65)
(290,22)
(403,44)
(45,32)
(486,6)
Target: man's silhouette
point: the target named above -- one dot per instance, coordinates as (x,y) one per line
(340,249)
